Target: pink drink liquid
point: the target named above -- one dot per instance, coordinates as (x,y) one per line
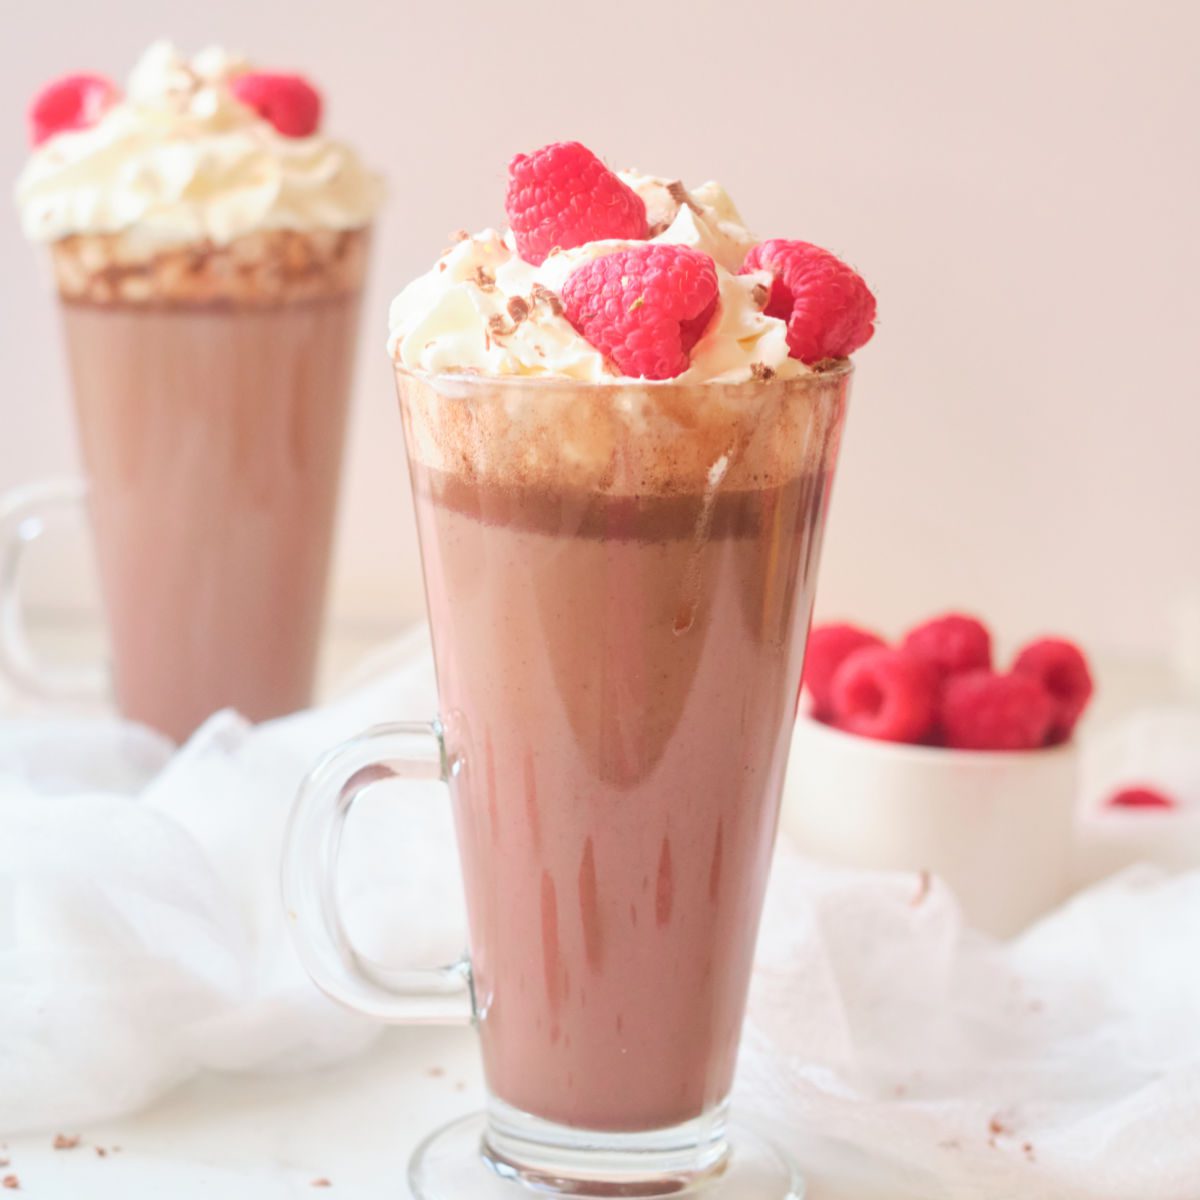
(618,677)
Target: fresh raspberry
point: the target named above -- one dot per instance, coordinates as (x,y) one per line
(289,102)
(883,693)
(951,644)
(1140,797)
(562,196)
(1060,667)
(981,710)
(829,310)
(73,102)
(645,308)
(828,647)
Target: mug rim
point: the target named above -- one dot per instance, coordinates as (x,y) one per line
(839,369)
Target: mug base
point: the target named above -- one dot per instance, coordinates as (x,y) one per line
(454,1163)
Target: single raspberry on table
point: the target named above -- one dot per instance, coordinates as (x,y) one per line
(829,310)
(1140,797)
(562,196)
(289,102)
(883,693)
(645,307)
(981,710)
(1060,667)
(828,647)
(951,644)
(73,102)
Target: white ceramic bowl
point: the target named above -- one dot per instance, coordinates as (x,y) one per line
(997,827)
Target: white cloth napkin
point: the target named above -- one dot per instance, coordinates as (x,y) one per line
(142,940)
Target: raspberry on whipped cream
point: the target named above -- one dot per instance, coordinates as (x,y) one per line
(494,302)
(456,317)
(180,159)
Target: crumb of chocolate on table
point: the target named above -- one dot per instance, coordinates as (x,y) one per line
(322,1182)
(1027,1150)
(436,1072)
(66,1141)
(101,1152)
(11,1182)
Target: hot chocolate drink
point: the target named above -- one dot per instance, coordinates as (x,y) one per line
(622,418)
(617,664)
(209,262)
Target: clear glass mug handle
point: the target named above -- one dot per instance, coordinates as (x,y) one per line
(23,519)
(421,996)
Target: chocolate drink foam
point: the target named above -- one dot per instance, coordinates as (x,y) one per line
(631,439)
(257,270)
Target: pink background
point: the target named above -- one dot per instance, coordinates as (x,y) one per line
(1017,181)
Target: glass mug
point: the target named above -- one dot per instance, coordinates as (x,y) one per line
(619,580)
(211,436)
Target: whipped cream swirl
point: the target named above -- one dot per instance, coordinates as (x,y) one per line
(178,159)
(484,309)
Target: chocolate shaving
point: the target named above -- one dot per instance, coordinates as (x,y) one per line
(680,195)
(518,309)
(497,327)
(657,228)
(543,295)
(761,373)
(484,280)
(66,1141)
(760,294)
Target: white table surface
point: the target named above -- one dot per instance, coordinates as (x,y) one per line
(263,1138)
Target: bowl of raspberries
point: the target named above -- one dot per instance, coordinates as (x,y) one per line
(928,754)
